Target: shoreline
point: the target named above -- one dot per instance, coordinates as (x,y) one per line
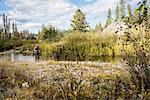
(7,52)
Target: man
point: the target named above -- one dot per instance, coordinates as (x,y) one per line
(36,52)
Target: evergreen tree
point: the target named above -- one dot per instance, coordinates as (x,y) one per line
(117,13)
(4,24)
(49,33)
(79,23)
(129,10)
(41,33)
(13,27)
(98,27)
(16,29)
(109,19)
(122,9)
(16,33)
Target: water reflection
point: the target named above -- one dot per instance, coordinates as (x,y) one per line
(16,58)
(116,59)
(12,57)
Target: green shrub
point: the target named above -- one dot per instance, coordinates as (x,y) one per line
(7,44)
(80,46)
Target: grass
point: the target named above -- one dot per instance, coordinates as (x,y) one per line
(63,80)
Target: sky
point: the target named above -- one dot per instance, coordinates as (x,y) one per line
(32,14)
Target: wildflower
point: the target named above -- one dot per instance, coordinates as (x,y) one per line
(25,84)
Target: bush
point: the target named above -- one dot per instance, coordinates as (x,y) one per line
(81,46)
(7,44)
(138,62)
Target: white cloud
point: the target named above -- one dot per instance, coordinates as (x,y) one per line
(97,11)
(28,12)
(89,0)
(31,14)
(1,20)
(29,25)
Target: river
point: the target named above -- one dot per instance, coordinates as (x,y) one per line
(13,57)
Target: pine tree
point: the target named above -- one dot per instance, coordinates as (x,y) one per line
(129,10)
(98,27)
(50,33)
(122,9)
(16,29)
(4,25)
(79,23)
(117,13)
(41,33)
(109,19)
(16,33)
(9,33)
(13,27)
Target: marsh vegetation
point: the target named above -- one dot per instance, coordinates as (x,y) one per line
(75,64)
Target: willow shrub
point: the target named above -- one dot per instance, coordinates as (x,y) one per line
(7,44)
(81,46)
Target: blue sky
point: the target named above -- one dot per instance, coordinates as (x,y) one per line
(32,14)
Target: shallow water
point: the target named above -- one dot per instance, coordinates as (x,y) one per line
(110,59)
(12,57)
(16,58)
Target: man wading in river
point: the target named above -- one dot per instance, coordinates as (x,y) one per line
(36,52)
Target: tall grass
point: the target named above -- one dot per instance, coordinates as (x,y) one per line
(82,46)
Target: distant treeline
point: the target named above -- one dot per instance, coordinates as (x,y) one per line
(10,30)
(10,36)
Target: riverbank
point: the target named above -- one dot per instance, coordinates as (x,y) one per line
(19,50)
(6,52)
(63,80)
(20,46)
(25,77)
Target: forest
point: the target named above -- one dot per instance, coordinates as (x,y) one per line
(70,65)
